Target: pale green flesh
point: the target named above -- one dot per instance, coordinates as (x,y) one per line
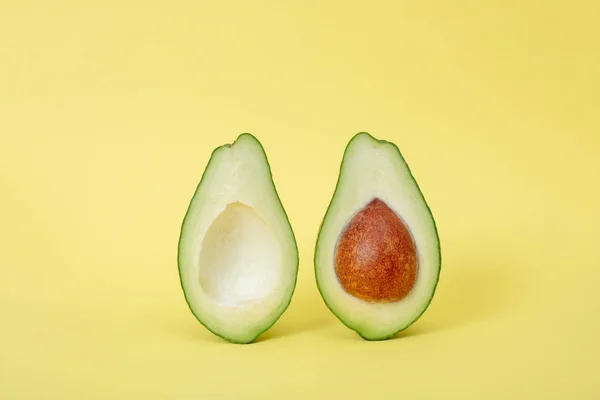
(372,168)
(238,259)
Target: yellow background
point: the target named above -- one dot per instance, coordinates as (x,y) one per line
(109,113)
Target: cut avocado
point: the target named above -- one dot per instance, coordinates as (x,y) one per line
(377,257)
(237,258)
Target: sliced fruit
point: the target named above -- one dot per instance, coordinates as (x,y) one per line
(377,258)
(238,258)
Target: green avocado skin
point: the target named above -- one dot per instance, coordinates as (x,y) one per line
(181,232)
(378,338)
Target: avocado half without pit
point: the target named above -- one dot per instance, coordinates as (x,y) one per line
(377,258)
(237,257)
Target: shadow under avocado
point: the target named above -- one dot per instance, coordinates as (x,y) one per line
(307,312)
(468,292)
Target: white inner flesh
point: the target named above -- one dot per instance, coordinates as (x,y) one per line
(375,169)
(240,260)
(237,255)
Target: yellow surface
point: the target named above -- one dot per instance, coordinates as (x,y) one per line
(109,112)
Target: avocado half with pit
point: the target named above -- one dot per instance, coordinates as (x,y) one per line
(377,257)
(237,258)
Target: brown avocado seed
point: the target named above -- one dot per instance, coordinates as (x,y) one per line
(375,258)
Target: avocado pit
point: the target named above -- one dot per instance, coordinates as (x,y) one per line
(375,258)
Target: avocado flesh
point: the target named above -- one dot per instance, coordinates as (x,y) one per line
(237,258)
(373,172)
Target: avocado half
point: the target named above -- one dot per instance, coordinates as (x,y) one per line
(238,258)
(377,257)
